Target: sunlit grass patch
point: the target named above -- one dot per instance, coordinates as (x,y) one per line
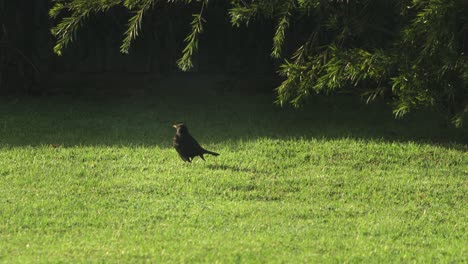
(80,184)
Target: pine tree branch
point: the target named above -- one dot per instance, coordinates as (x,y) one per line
(185,62)
(134,24)
(67,29)
(283,25)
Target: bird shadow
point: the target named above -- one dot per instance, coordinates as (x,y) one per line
(230,168)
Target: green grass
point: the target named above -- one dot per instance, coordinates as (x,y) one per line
(336,181)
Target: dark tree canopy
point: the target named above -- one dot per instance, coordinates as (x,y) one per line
(412,52)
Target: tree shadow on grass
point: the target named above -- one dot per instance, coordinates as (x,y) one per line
(212,119)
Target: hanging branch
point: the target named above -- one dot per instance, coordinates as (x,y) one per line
(283,25)
(185,62)
(67,29)
(134,25)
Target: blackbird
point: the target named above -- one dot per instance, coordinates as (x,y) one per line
(187,146)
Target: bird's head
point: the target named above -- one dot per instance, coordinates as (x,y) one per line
(181,128)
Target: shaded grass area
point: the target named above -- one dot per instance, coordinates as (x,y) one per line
(213,118)
(94,180)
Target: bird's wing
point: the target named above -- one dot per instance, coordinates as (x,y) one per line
(191,145)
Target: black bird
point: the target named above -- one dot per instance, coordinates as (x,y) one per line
(187,146)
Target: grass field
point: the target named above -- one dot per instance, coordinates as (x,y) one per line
(96,180)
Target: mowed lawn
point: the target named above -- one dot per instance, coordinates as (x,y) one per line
(96,180)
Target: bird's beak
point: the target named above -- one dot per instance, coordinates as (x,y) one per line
(174,126)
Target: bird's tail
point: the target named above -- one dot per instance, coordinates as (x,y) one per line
(211,152)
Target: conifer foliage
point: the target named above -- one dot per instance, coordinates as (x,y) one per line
(412,52)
